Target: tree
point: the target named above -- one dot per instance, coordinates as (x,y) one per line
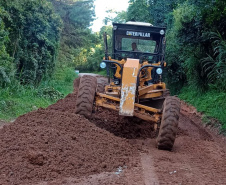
(138,10)
(190,43)
(34,31)
(75,37)
(160,10)
(6,66)
(120,17)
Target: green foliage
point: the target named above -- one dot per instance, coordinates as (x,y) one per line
(138,10)
(30,32)
(183,14)
(94,59)
(160,11)
(50,93)
(214,14)
(121,17)
(215,66)
(6,66)
(17,99)
(211,103)
(178,56)
(76,38)
(89,59)
(97,54)
(188,45)
(34,31)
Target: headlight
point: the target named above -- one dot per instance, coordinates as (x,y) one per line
(162,32)
(102,65)
(159,71)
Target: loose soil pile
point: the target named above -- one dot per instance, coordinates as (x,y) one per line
(54,143)
(125,127)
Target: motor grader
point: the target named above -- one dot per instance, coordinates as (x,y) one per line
(134,86)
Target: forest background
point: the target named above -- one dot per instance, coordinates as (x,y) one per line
(42,42)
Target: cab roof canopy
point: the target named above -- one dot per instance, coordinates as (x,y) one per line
(137,26)
(139,23)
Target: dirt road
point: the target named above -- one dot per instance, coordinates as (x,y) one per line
(54,146)
(198,156)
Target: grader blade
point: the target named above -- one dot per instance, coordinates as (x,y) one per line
(128,90)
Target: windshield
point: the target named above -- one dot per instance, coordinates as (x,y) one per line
(136,44)
(139,45)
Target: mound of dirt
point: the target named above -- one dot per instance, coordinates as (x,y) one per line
(48,144)
(65,105)
(125,127)
(55,143)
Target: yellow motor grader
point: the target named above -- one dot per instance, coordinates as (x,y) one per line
(134,86)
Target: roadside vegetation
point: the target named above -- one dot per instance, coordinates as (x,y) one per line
(39,41)
(212,103)
(17,99)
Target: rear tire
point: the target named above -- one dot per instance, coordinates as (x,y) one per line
(169,123)
(86,95)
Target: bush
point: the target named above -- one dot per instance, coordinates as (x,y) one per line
(211,103)
(6,66)
(50,93)
(17,99)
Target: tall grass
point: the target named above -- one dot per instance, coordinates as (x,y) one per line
(215,66)
(17,99)
(212,103)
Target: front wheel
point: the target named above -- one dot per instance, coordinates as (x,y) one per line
(169,123)
(86,95)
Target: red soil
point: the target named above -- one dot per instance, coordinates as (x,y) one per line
(52,143)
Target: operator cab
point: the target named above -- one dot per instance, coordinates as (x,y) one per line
(139,41)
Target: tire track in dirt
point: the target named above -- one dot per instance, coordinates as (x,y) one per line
(147,163)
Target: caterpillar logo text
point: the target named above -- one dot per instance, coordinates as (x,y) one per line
(138,34)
